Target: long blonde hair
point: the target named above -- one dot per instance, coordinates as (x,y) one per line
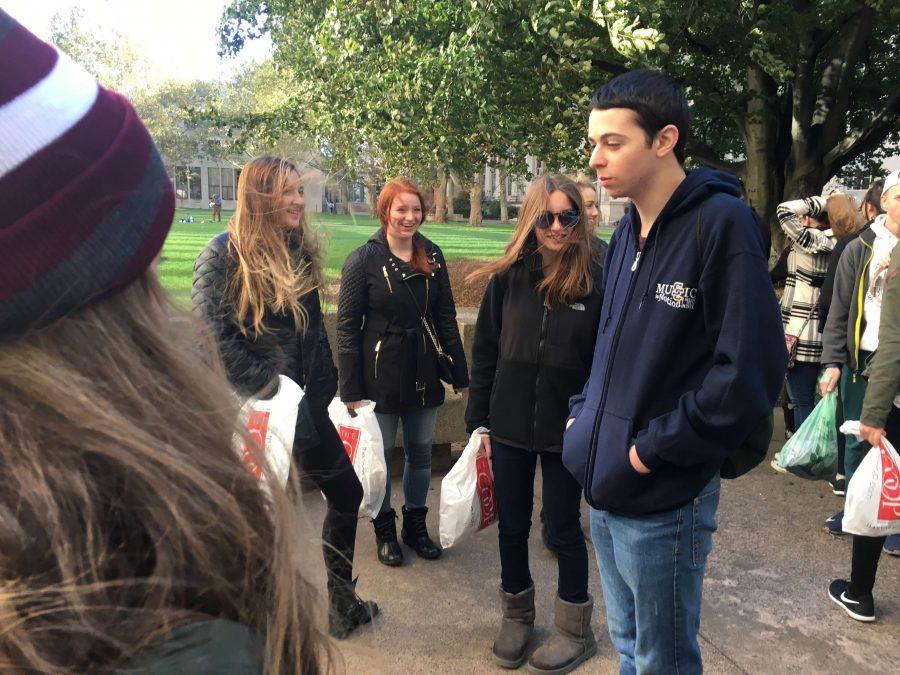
(271,272)
(124,510)
(569,275)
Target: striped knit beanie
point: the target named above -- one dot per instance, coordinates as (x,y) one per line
(85,202)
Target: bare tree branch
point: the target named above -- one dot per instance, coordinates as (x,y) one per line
(868,138)
(833,99)
(708,157)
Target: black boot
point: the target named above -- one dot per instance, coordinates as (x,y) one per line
(346,611)
(389,551)
(415,533)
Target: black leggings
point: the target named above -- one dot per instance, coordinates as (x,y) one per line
(514,488)
(867,550)
(328,466)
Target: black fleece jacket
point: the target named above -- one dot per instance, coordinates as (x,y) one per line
(528,359)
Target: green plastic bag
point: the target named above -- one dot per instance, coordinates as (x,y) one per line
(812,452)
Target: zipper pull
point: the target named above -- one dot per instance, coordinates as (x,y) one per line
(387,278)
(637,259)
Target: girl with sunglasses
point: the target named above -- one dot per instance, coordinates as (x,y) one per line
(534,340)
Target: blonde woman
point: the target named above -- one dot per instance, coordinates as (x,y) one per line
(131,537)
(257,285)
(534,341)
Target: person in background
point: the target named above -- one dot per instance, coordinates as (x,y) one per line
(869,209)
(257,286)
(216,205)
(534,339)
(591,202)
(880,418)
(806,222)
(397,338)
(132,538)
(851,334)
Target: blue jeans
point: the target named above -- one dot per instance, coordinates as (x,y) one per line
(802,380)
(418,431)
(651,570)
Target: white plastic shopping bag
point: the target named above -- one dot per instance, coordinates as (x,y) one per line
(271,422)
(467,494)
(361,435)
(872,506)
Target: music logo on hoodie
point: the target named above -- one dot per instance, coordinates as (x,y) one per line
(677,295)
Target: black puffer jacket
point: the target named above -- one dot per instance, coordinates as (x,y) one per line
(384,354)
(253,361)
(527,360)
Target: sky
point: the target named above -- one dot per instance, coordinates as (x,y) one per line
(177,37)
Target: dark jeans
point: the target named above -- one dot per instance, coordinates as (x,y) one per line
(867,550)
(514,470)
(328,466)
(802,383)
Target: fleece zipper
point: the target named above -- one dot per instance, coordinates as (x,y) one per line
(537,379)
(592,451)
(860,308)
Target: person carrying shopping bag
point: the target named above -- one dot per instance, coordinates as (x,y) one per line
(534,339)
(807,224)
(398,340)
(879,418)
(851,335)
(257,286)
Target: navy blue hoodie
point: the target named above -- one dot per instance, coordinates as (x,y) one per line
(690,353)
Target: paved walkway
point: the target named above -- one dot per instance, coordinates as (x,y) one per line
(765,609)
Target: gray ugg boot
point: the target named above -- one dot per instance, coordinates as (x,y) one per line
(572,642)
(515,628)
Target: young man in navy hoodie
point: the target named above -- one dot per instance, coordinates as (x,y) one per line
(688,361)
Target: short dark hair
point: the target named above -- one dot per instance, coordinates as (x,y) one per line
(656,99)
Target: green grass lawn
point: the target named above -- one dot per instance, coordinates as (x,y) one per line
(340,233)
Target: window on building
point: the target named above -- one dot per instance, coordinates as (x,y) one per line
(357,192)
(228,183)
(193,176)
(213,182)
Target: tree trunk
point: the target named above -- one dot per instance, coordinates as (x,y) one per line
(440,197)
(345,196)
(504,210)
(475,200)
(371,186)
(759,141)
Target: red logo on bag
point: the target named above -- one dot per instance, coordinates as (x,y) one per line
(257,427)
(485,487)
(889,505)
(350,439)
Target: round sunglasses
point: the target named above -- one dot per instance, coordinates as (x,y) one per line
(568,218)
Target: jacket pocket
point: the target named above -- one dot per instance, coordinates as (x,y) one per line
(576,442)
(614,482)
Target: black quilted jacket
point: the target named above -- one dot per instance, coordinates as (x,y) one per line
(384,353)
(253,361)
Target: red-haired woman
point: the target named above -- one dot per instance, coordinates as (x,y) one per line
(397,338)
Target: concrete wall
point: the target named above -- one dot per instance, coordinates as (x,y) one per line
(450,427)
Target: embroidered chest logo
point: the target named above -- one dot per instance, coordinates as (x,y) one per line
(677,295)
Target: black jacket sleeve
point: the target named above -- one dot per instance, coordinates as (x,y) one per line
(485,355)
(247,371)
(446,326)
(353,302)
(319,373)
(779,271)
(827,290)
